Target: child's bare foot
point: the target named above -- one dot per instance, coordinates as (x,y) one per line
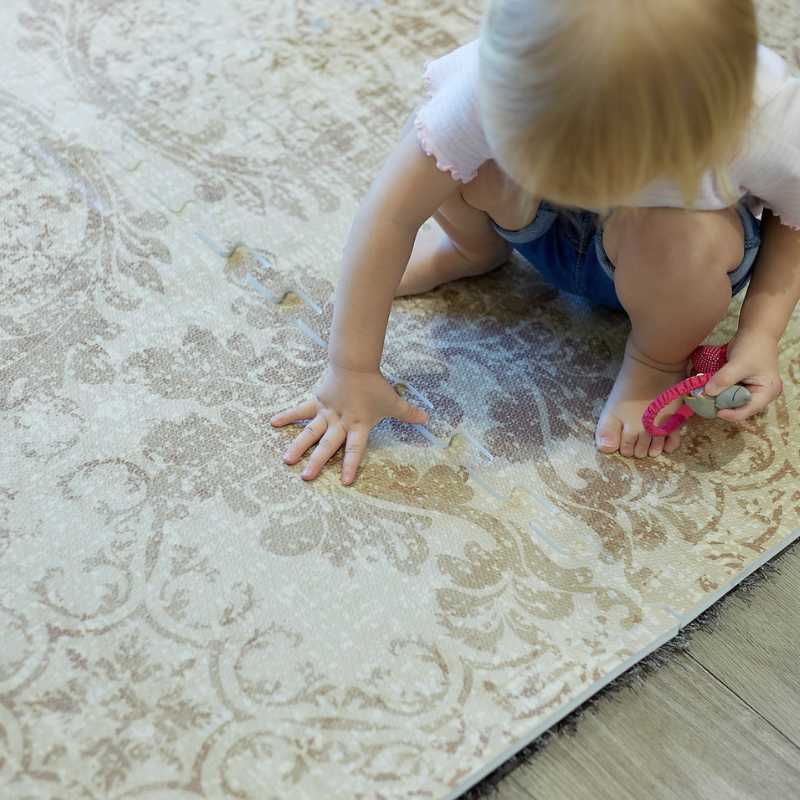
(639,382)
(435,260)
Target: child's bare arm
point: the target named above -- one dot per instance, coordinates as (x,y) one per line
(352,395)
(772,296)
(774,290)
(406,192)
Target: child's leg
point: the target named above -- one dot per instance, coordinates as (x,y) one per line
(671,277)
(457,242)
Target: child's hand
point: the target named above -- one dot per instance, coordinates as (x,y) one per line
(752,362)
(346,405)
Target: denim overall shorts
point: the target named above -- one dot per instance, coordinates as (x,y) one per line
(567,250)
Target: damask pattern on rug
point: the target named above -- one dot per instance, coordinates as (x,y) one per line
(182,616)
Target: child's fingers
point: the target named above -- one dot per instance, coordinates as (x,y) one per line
(353,453)
(736,415)
(304,410)
(721,380)
(758,402)
(328,445)
(310,434)
(407,412)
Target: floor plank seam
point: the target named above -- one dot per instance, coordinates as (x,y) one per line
(742,700)
(489,786)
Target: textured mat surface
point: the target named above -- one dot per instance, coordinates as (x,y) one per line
(182,615)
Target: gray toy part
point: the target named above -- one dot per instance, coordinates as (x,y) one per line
(733,397)
(702,406)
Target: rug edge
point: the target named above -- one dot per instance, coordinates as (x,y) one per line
(542,727)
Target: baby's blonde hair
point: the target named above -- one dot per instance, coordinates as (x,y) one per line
(585,102)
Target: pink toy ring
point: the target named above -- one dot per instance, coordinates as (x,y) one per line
(665,398)
(706,360)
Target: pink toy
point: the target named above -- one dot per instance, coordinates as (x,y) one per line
(706,360)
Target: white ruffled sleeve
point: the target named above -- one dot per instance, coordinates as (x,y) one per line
(449,123)
(774,169)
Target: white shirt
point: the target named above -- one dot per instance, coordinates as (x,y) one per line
(766,173)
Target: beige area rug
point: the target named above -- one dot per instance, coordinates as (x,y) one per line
(183,616)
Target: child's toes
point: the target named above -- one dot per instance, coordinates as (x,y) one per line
(608,435)
(627,445)
(673,442)
(657,446)
(642,446)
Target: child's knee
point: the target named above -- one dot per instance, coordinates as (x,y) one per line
(675,244)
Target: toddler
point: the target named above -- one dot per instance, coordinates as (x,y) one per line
(643,154)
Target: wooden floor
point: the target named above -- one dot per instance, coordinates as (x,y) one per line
(718,721)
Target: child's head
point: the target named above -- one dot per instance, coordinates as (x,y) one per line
(587,101)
